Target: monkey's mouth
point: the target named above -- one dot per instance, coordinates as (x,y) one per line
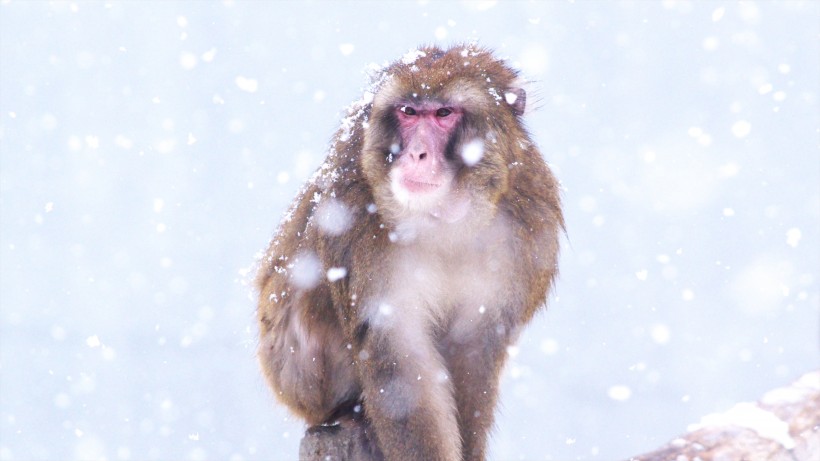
(419,187)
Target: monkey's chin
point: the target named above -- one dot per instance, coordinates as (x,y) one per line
(416,196)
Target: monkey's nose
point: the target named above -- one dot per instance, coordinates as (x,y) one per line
(418,157)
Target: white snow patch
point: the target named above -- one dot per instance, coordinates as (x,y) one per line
(306,271)
(411,56)
(382,316)
(619,393)
(188,61)
(333,217)
(472,152)
(346,49)
(710,43)
(336,273)
(209,55)
(750,416)
(513,351)
(807,384)
(247,84)
(93,341)
(793,237)
(85,384)
(809,381)
(660,333)
(640,367)
(642,274)
(440,33)
(749,12)
(108,353)
(718,13)
(93,142)
(123,142)
(741,129)
(74,143)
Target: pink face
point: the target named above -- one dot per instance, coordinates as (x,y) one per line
(425,128)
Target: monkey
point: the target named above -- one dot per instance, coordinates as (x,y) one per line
(413,258)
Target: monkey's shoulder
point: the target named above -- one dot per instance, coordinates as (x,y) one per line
(534,196)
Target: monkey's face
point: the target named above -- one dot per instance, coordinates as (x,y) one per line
(421,176)
(440,134)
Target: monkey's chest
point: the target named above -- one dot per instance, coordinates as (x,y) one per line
(451,282)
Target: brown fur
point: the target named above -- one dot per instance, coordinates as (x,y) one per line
(417,330)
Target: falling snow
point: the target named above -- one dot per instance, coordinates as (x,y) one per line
(149,153)
(247,84)
(472,152)
(336,273)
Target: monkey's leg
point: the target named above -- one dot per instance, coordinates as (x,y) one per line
(408,396)
(305,359)
(475,362)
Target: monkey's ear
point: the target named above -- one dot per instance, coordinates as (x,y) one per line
(517,99)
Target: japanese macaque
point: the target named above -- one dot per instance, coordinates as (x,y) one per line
(413,258)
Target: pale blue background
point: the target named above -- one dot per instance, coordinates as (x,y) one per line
(139,180)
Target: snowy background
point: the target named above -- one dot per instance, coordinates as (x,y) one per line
(150,149)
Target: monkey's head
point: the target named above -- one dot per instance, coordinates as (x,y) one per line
(443,128)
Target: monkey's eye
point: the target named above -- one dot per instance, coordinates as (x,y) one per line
(408,110)
(443,112)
